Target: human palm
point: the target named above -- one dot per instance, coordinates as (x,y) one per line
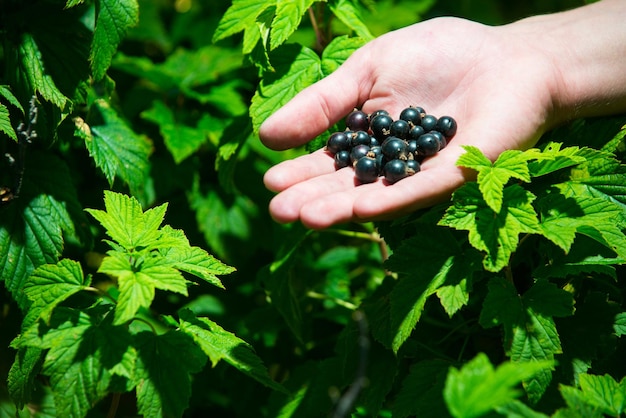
(497,87)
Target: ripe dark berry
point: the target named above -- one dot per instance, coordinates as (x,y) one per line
(342,159)
(412,115)
(394,148)
(427,145)
(399,128)
(447,126)
(338,141)
(378,112)
(411,147)
(366,170)
(360,138)
(413,166)
(395,170)
(380,126)
(375,151)
(416,131)
(374,142)
(358,152)
(357,120)
(429,122)
(441,138)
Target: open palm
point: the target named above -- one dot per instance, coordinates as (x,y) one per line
(498,87)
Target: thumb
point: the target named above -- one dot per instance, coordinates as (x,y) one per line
(317,107)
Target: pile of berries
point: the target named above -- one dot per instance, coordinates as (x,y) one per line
(376,145)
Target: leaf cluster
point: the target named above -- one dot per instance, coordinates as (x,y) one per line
(131,181)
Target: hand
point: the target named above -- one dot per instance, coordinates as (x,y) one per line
(497,84)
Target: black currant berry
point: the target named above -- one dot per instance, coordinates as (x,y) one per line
(378,112)
(375,151)
(415,132)
(342,159)
(442,139)
(411,147)
(412,115)
(366,170)
(374,142)
(395,170)
(357,120)
(338,141)
(359,152)
(447,126)
(380,126)
(360,138)
(427,145)
(399,128)
(429,122)
(413,166)
(394,147)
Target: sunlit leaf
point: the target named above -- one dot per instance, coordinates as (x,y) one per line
(113,19)
(296,67)
(219,344)
(478,387)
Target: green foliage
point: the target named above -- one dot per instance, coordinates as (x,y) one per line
(131,184)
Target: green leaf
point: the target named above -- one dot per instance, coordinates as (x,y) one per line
(529,330)
(421,274)
(337,51)
(126,223)
(195,260)
(193,72)
(7,94)
(113,19)
(496,234)
(599,393)
(517,409)
(287,19)
(49,285)
(36,75)
(478,388)
(79,372)
(570,209)
(21,378)
(219,344)
(5,123)
(164,367)
(493,177)
(347,12)
(296,67)
(32,228)
(137,281)
(604,392)
(240,15)
(620,324)
(577,407)
(181,140)
(116,149)
(553,158)
(567,210)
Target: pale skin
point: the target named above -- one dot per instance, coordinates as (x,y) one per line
(504,85)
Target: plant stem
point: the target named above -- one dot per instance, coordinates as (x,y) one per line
(319,37)
(340,302)
(115,402)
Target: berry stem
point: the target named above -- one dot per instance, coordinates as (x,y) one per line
(319,36)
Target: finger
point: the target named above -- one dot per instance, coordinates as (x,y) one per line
(381,200)
(319,106)
(290,172)
(286,206)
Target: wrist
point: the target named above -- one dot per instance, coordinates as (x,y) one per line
(587,49)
